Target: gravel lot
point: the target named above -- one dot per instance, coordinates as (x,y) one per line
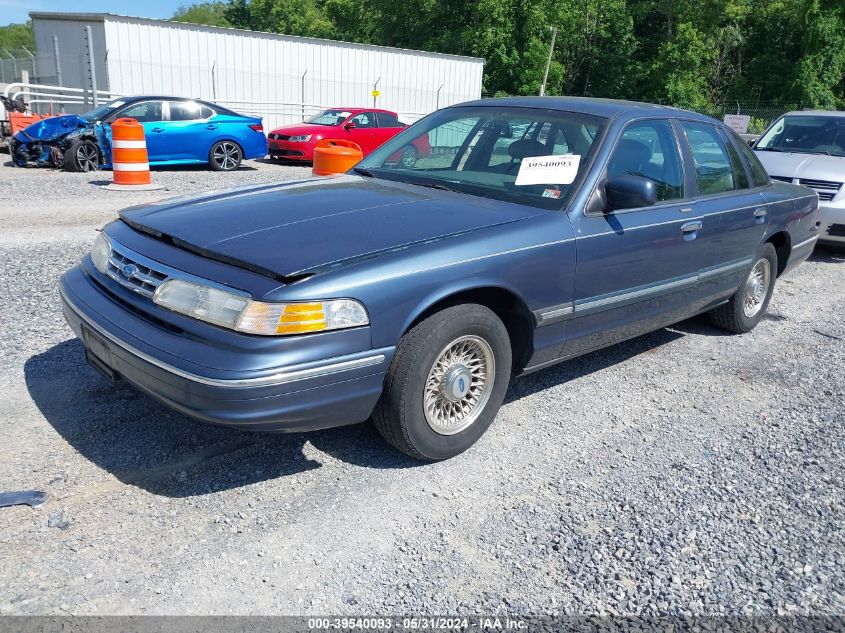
(684,472)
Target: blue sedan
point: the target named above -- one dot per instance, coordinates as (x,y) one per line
(539,229)
(178,131)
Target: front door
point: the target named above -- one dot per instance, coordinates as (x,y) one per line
(363,131)
(150,114)
(637,269)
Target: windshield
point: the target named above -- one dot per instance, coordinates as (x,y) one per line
(806,134)
(523,155)
(102,112)
(329,117)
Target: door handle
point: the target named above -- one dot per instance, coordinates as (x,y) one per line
(158,129)
(760,214)
(211,126)
(691,227)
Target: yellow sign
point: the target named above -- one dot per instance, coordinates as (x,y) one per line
(376,93)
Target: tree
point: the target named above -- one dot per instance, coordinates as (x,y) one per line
(208,13)
(15,36)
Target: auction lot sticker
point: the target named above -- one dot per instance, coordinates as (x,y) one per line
(548,170)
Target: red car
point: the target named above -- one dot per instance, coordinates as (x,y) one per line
(368,127)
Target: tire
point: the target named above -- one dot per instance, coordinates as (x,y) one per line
(748,304)
(82,156)
(471,333)
(408,157)
(225,156)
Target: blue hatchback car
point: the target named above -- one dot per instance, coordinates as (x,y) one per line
(178,131)
(539,229)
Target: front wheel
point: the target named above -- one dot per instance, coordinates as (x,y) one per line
(225,156)
(81,156)
(748,304)
(446,383)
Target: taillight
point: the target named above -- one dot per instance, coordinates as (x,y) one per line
(258,127)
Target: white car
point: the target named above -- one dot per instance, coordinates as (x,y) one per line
(808,148)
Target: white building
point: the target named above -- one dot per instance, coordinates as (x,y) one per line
(280,77)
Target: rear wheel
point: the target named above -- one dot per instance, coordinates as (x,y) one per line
(225,156)
(82,156)
(446,383)
(409,156)
(748,304)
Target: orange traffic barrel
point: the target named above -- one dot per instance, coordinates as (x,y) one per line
(335,156)
(130,165)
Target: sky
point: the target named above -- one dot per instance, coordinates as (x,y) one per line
(18,10)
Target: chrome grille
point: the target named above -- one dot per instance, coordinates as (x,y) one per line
(132,274)
(826,189)
(279,137)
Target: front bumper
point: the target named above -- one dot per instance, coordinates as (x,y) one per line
(832,229)
(290,151)
(297,397)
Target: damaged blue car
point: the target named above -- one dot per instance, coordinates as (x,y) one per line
(178,131)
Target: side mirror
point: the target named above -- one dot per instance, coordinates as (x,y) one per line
(349,126)
(630,192)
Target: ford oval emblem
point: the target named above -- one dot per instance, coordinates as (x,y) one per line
(129,271)
(461,384)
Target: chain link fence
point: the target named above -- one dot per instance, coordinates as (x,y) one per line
(18,64)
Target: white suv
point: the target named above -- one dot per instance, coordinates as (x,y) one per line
(808,148)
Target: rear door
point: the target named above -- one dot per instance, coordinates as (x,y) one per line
(734,212)
(190,130)
(637,268)
(388,126)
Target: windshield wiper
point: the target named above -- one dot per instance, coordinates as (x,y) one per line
(363,172)
(434,185)
(770,149)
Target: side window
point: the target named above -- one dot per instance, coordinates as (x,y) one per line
(759,176)
(385,119)
(145,112)
(740,177)
(185,111)
(364,120)
(648,149)
(713,170)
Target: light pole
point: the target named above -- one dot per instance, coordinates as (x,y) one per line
(548,61)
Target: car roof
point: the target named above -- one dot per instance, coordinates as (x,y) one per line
(359,109)
(608,108)
(830,113)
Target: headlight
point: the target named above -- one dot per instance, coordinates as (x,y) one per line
(239,312)
(300,139)
(100,253)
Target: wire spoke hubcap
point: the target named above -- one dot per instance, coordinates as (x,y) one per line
(756,288)
(227,155)
(459,385)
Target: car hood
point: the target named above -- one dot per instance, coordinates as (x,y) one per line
(304,128)
(52,128)
(809,166)
(288,230)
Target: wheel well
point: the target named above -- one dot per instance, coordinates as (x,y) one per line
(507,306)
(783,247)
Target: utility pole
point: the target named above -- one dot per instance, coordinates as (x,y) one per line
(58,61)
(92,69)
(548,61)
